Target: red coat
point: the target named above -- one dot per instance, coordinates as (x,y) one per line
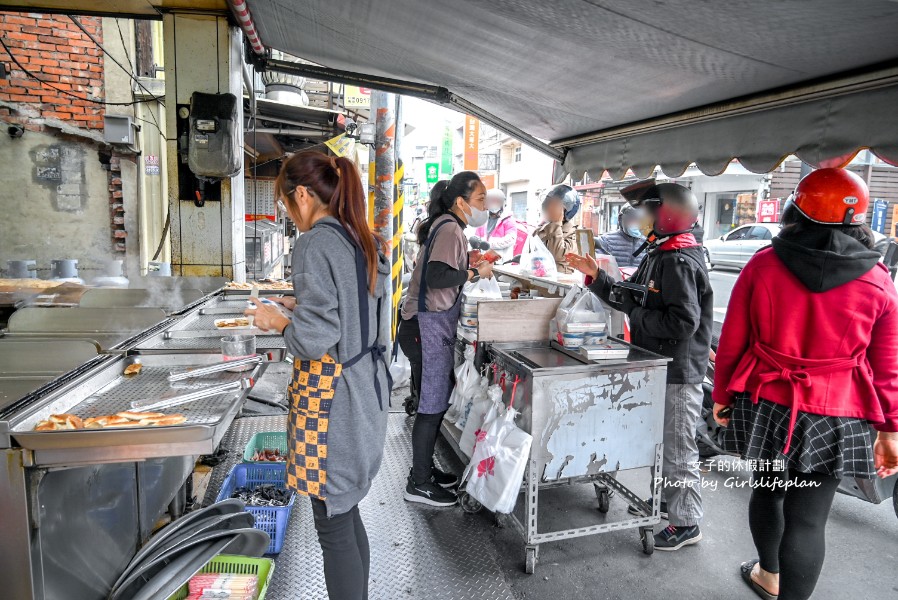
(831,353)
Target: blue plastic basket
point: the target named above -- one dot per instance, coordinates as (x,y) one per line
(271,520)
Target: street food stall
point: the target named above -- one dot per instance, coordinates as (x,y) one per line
(589,419)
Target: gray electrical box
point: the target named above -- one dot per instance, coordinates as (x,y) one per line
(118,129)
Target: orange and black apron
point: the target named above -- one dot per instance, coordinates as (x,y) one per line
(311,392)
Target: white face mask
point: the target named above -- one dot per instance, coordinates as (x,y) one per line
(477,218)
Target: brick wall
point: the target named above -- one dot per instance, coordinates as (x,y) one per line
(57,51)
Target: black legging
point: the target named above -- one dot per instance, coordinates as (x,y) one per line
(347,557)
(789,527)
(427,427)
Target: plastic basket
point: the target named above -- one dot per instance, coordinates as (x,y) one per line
(260,441)
(271,520)
(236,565)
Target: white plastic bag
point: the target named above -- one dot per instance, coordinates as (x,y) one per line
(482,289)
(536,260)
(580,315)
(477,403)
(497,466)
(481,412)
(467,380)
(400,369)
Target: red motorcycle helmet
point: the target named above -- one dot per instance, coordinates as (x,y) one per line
(673,206)
(831,197)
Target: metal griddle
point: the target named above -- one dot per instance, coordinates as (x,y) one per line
(108,391)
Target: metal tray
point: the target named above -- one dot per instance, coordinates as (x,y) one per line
(196,331)
(107,391)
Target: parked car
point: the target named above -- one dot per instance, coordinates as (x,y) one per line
(738,246)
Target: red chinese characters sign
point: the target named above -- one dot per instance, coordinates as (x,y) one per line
(472,141)
(769,211)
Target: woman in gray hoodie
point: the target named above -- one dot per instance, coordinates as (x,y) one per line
(337,334)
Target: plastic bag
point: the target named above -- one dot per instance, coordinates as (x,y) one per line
(537,260)
(482,289)
(476,404)
(467,381)
(400,369)
(497,465)
(581,318)
(481,413)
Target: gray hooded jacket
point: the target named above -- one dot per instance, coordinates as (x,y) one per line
(326,320)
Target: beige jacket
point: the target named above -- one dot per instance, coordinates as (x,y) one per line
(559,239)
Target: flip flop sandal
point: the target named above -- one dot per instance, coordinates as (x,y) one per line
(747,568)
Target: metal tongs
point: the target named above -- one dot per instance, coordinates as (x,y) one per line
(150,405)
(216,368)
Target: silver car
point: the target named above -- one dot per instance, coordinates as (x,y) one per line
(738,246)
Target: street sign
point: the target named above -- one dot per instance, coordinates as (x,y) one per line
(768,210)
(356,97)
(433,172)
(879,215)
(446,156)
(472,143)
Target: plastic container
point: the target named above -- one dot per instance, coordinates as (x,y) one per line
(469,321)
(271,520)
(268,440)
(595,338)
(573,340)
(593,327)
(263,568)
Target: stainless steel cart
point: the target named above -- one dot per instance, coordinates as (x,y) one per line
(588,420)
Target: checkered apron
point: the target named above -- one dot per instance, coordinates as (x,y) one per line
(311,393)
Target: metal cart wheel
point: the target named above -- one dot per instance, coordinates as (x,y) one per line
(648,540)
(468,504)
(531,557)
(604,497)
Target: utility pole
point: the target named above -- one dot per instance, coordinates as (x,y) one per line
(398,258)
(383,110)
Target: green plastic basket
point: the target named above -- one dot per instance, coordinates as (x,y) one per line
(269,439)
(236,565)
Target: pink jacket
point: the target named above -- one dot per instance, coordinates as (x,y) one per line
(505,238)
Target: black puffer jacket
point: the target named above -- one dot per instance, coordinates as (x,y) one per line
(678,315)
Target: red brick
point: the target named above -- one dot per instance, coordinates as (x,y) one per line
(43,62)
(82,43)
(17,20)
(14,90)
(120,234)
(33,127)
(18,35)
(21,98)
(57,71)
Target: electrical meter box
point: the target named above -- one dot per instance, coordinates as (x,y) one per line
(213,150)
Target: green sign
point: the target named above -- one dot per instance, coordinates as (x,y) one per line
(433,173)
(446,157)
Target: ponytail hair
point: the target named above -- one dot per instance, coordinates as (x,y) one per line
(337,184)
(442,198)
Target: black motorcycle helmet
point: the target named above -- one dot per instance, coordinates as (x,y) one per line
(673,207)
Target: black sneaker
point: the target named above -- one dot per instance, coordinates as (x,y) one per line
(673,538)
(635,511)
(429,493)
(442,479)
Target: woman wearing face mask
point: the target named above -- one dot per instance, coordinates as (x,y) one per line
(338,332)
(429,320)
